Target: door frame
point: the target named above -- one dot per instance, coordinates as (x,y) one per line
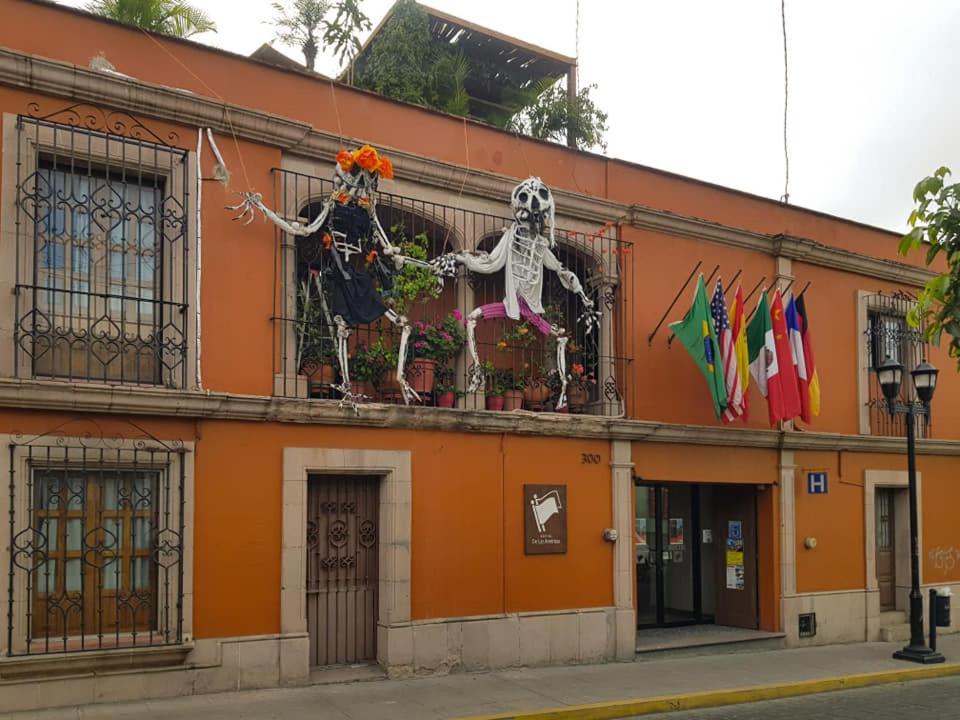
(696,567)
(394,632)
(898,480)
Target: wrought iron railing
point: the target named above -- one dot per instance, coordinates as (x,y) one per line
(96,547)
(889,335)
(101,250)
(519,364)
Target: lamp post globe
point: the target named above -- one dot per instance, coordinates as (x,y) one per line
(924,381)
(890,374)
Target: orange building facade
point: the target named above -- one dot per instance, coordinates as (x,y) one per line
(184,517)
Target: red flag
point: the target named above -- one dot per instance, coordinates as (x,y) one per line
(740,350)
(788,373)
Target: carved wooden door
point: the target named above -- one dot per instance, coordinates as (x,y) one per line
(886,555)
(342,550)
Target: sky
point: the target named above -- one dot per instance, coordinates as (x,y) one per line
(696,87)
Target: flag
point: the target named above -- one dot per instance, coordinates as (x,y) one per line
(814,389)
(799,359)
(728,359)
(739,333)
(763,359)
(695,331)
(788,373)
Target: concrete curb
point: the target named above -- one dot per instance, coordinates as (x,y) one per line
(717,698)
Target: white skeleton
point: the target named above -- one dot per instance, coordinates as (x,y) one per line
(359,186)
(523,252)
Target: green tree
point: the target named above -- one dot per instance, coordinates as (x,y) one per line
(163,16)
(307,23)
(553,115)
(935,229)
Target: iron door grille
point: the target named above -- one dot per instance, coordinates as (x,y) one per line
(101,260)
(342,574)
(96,545)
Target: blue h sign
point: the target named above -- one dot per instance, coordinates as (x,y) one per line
(817,483)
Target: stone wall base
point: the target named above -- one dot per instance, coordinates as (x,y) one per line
(215,665)
(850,616)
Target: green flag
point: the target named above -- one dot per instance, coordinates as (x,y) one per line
(696,333)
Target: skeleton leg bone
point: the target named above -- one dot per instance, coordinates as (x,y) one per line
(349,398)
(408,392)
(562,340)
(476,370)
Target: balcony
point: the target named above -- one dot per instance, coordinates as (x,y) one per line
(518,361)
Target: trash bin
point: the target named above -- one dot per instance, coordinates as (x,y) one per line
(942,612)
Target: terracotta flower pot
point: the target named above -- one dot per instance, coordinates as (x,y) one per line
(364,387)
(320,376)
(420,374)
(446,400)
(577,397)
(535,394)
(513,399)
(494,402)
(390,391)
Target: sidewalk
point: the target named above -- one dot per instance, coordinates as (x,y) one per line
(510,691)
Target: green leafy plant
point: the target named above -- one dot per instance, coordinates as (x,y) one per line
(412,284)
(935,229)
(169,17)
(440,340)
(369,363)
(314,343)
(446,382)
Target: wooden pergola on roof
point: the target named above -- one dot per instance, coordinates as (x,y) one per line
(510,65)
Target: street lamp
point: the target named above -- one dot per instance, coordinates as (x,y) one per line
(924,376)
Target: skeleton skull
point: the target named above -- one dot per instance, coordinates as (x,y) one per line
(356,182)
(532,202)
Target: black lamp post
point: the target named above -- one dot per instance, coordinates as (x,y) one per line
(890,374)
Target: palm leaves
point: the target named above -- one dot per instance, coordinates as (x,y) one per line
(169,17)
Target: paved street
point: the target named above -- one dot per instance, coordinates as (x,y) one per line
(927,699)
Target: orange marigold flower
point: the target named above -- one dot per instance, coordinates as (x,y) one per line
(345,159)
(367,158)
(327,240)
(343,198)
(523,330)
(371,256)
(386,168)
(502,344)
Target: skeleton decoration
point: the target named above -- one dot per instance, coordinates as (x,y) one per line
(523,252)
(354,240)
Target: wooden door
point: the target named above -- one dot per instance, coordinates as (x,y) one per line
(886,554)
(736,515)
(342,575)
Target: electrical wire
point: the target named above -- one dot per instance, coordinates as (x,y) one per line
(786,86)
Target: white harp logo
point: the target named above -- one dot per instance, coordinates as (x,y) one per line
(545,508)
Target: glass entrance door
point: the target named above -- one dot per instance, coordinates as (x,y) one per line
(666,539)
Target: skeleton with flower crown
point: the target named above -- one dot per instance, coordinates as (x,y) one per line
(524,253)
(354,241)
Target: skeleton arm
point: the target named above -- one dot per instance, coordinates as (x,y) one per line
(478,262)
(571,282)
(250,202)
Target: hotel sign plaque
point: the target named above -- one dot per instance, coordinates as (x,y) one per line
(544,519)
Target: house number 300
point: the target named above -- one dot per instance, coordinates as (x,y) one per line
(589,459)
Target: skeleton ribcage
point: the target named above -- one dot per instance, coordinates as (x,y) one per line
(527,264)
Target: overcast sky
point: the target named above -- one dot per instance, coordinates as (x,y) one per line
(696,86)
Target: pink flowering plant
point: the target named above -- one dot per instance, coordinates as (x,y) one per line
(438,340)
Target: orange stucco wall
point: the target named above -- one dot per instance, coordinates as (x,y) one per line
(467,550)
(837,521)
(467,553)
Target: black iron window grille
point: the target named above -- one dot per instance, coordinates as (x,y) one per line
(519,364)
(96,533)
(888,334)
(102,242)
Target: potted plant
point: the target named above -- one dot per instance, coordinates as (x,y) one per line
(494,386)
(432,344)
(390,391)
(536,388)
(445,390)
(513,393)
(367,367)
(316,357)
(578,387)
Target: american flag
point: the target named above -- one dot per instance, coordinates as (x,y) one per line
(731,374)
